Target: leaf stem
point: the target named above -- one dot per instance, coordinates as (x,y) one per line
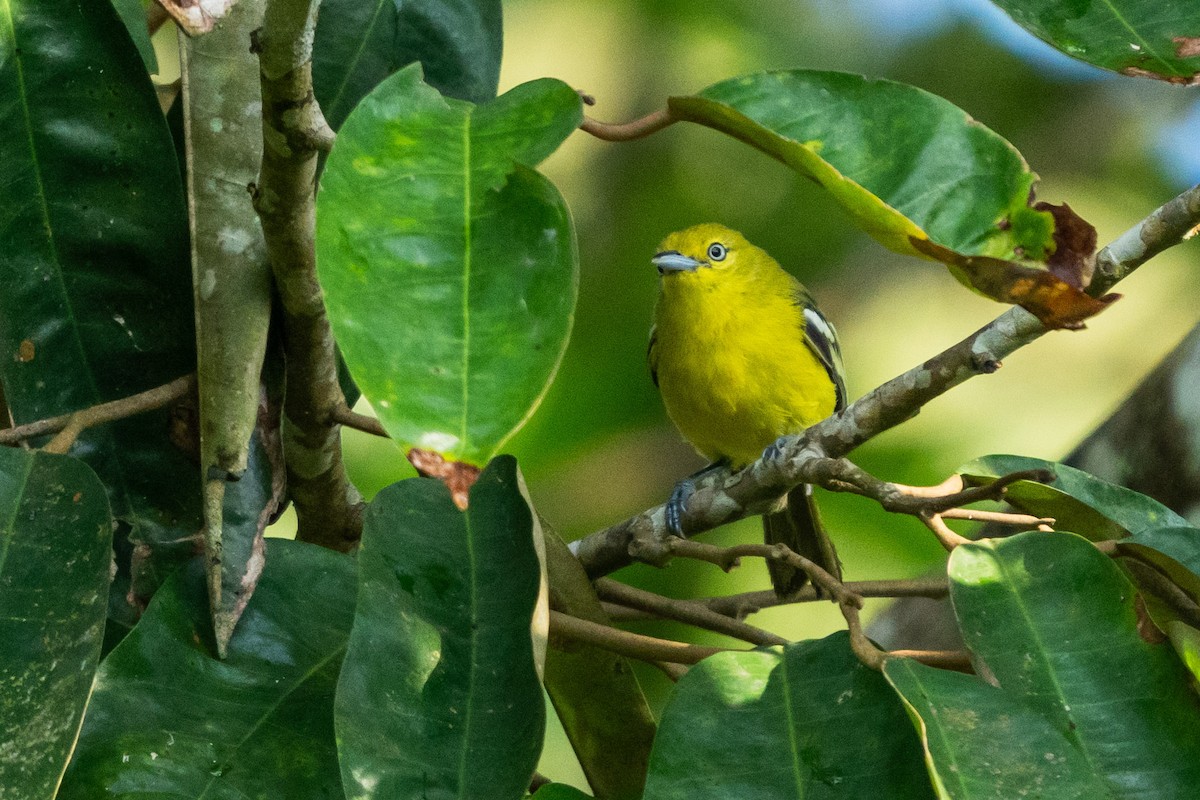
(631,645)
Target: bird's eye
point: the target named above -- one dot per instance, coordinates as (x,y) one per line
(716,251)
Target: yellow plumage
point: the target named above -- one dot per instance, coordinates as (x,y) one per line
(742,356)
(729,350)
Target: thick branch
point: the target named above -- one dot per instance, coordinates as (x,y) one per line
(721,497)
(328,507)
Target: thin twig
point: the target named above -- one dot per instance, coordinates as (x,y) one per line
(999,518)
(343,415)
(721,497)
(948,538)
(111,411)
(728,557)
(631,645)
(739,606)
(674,672)
(628,131)
(685,611)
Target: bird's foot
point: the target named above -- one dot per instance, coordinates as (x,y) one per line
(675,505)
(774,451)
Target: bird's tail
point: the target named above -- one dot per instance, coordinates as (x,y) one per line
(798,525)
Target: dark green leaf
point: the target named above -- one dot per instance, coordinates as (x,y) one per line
(358,44)
(981,743)
(772,724)
(97,301)
(133,15)
(1079,502)
(169,720)
(912,170)
(1175,552)
(55,550)
(452,315)
(1147,38)
(439,695)
(1056,624)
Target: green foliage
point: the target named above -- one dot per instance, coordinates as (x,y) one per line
(449,264)
(1075,500)
(453,313)
(1145,38)
(53,612)
(168,719)
(440,691)
(790,714)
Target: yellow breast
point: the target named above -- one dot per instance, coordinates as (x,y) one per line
(731,362)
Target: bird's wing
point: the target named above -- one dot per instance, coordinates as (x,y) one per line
(822,339)
(652,354)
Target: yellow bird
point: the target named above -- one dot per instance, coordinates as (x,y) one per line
(742,356)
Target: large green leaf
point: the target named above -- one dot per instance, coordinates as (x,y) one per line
(772,724)
(1055,622)
(1076,500)
(912,170)
(97,300)
(358,44)
(1147,38)
(169,720)
(449,265)
(1173,551)
(439,695)
(981,743)
(55,550)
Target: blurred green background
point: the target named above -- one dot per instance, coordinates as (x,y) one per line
(600,447)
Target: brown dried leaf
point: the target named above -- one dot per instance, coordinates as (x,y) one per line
(197,16)
(1052,300)
(458,476)
(1074,246)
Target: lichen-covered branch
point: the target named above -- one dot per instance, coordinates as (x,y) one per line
(812,457)
(328,507)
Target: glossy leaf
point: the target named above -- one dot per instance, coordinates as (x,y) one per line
(1186,641)
(1078,501)
(449,265)
(97,296)
(55,551)
(223,132)
(170,720)
(771,724)
(1055,622)
(358,44)
(981,743)
(910,168)
(1173,551)
(439,695)
(1146,38)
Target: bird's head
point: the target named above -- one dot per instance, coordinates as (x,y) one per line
(701,251)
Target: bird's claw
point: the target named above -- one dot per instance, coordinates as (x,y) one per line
(675,505)
(774,450)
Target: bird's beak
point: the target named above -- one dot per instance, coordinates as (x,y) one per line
(673,261)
